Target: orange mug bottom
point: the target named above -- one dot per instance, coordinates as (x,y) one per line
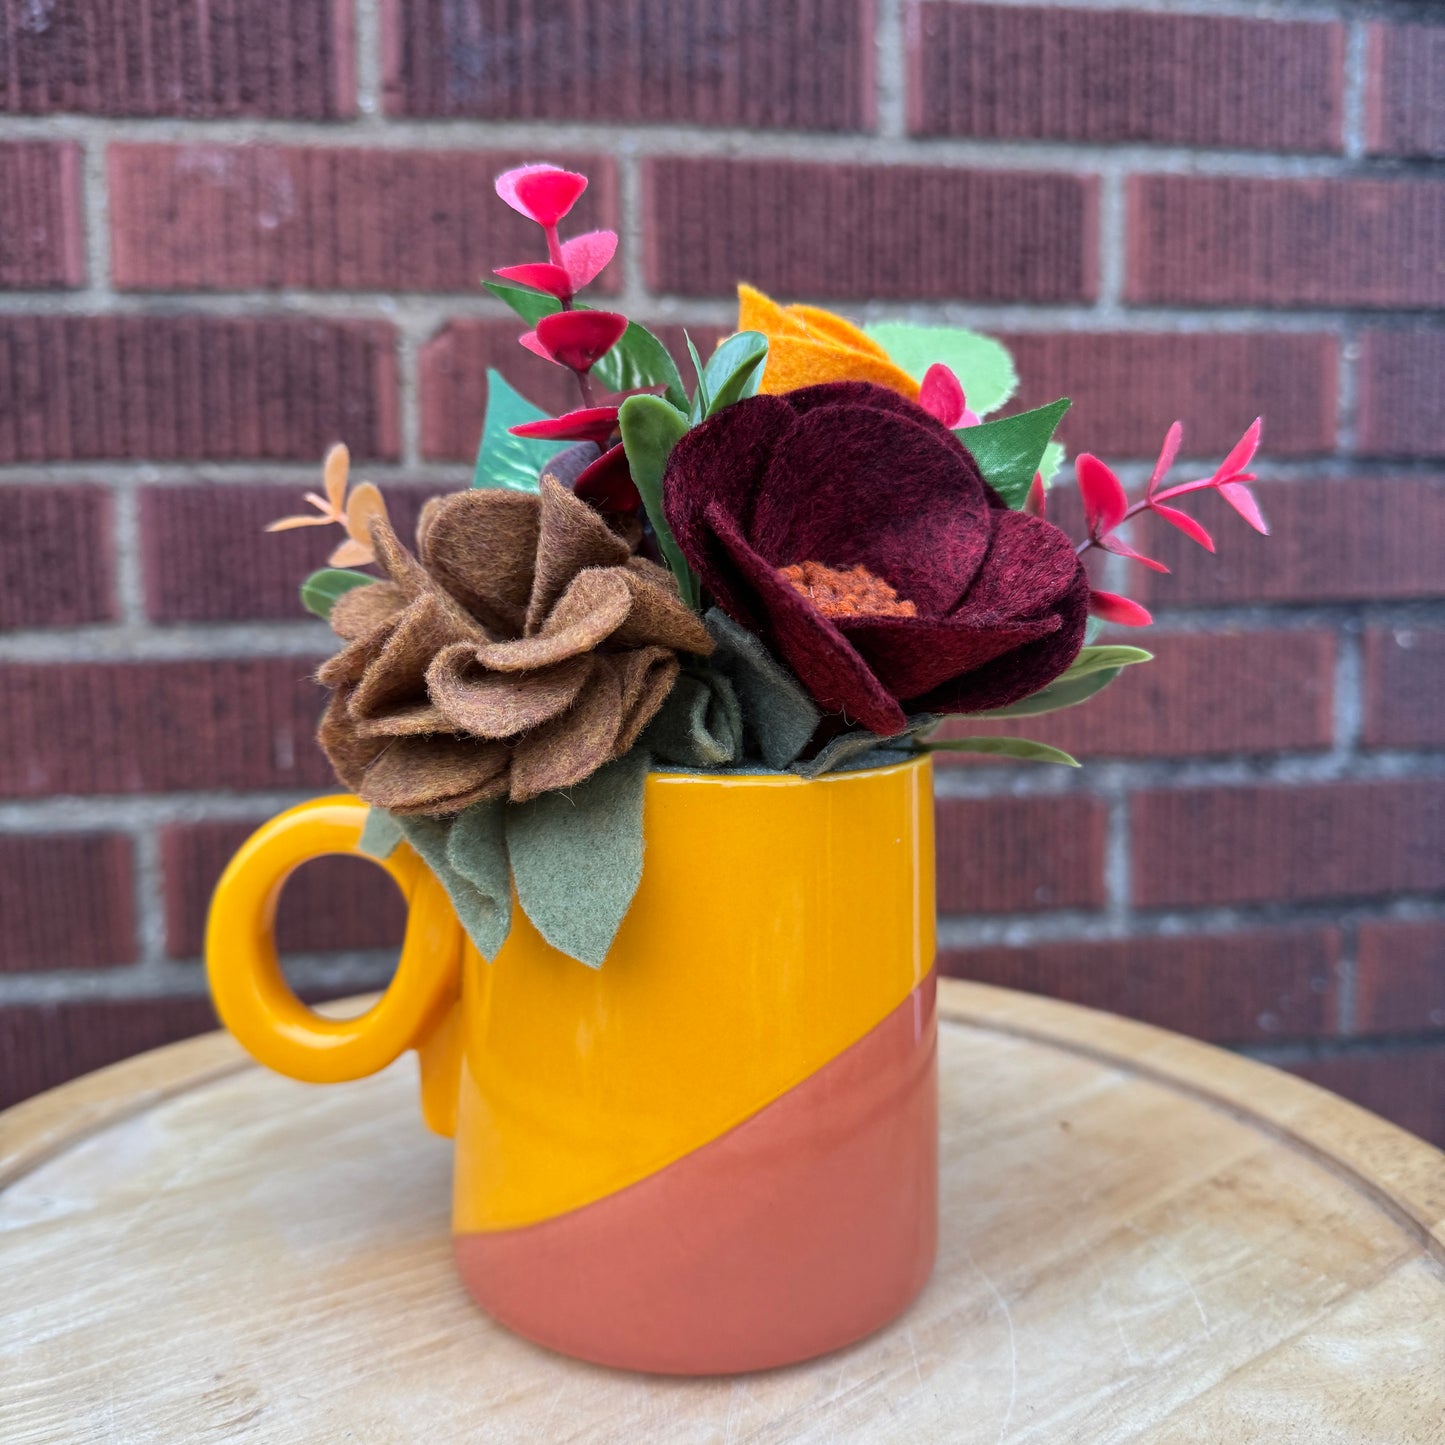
(806,1227)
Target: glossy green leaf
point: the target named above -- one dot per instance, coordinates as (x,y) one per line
(651,427)
(1095,659)
(698,407)
(321,589)
(982,365)
(1053,459)
(638,361)
(1064,692)
(502,459)
(1021,748)
(1010,450)
(735,370)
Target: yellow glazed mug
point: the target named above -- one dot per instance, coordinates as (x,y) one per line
(717,1152)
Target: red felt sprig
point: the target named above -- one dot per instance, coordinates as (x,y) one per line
(1107,508)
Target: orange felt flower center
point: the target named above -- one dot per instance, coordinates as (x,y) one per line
(847,592)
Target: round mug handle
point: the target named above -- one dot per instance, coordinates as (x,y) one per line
(250,992)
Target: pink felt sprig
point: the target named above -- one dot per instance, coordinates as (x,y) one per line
(571,338)
(1107,508)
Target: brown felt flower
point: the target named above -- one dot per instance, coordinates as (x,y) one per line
(523,648)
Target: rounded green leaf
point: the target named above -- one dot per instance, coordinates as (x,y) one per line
(982,365)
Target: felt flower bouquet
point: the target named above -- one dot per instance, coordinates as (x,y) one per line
(799,553)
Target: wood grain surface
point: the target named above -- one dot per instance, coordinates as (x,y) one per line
(1143,1239)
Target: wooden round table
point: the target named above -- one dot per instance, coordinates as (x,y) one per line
(1143,1238)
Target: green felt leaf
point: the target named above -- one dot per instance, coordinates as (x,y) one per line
(698,407)
(651,427)
(638,361)
(577,857)
(502,459)
(1093,659)
(851,746)
(1021,748)
(982,365)
(1092,628)
(1064,692)
(735,370)
(1010,450)
(700,725)
(778,715)
(468,855)
(321,589)
(380,834)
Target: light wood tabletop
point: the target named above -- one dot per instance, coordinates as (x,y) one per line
(1143,1238)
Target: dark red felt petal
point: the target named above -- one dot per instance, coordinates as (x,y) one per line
(1031,565)
(851,486)
(723,461)
(835,675)
(914,655)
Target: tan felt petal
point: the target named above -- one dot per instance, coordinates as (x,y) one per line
(646,567)
(646,677)
(573,537)
(398,563)
(412,720)
(435,775)
(347,753)
(501,704)
(590,611)
(574,745)
(362,610)
(481,545)
(398,675)
(349,665)
(658,617)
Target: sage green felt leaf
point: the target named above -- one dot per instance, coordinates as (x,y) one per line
(502,459)
(380,834)
(735,370)
(1010,450)
(469,858)
(577,857)
(982,365)
(651,427)
(700,725)
(1092,628)
(638,361)
(1093,659)
(321,589)
(778,715)
(1063,692)
(851,746)
(1021,748)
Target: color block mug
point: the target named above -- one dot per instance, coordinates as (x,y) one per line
(718,1151)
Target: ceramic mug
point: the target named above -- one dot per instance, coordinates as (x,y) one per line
(718,1151)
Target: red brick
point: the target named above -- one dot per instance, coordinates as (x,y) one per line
(1404,1085)
(154,727)
(214,217)
(178,388)
(1400,976)
(1405,90)
(1348,540)
(283,58)
(42,243)
(1246,692)
(1010,855)
(1275,844)
(800,229)
(67,900)
(208,557)
(331,904)
(691,62)
(1235,241)
(1405,687)
(1015,72)
(1128,386)
(1399,394)
(1253,987)
(56,556)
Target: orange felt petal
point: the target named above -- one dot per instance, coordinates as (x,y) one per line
(286,524)
(334,470)
(792,363)
(757,312)
(362,505)
(826,326)
(351,554)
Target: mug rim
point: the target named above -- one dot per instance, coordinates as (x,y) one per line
(683,777)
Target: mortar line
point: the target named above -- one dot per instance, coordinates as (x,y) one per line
(890,79)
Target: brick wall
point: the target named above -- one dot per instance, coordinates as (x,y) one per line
(230,235)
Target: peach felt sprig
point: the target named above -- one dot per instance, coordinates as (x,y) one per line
(354,512)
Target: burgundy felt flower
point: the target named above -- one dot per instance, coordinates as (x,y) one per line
(853,531)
